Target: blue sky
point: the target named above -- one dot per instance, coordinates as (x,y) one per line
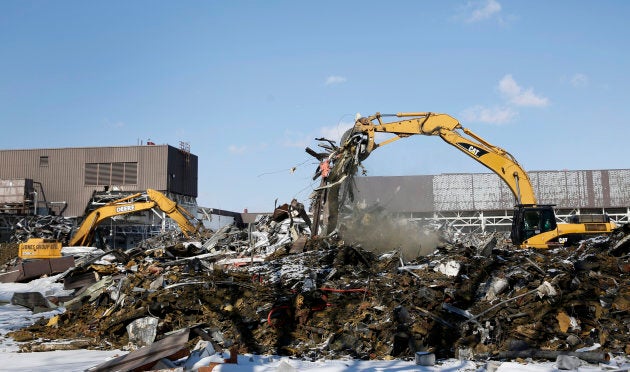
(250,84)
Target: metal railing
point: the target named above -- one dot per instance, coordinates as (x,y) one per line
(491,221)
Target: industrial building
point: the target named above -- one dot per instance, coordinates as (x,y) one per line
(483,202)
(67,181)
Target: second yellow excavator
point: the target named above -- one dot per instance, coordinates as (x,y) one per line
(132,204)
(533,225)
(84,235)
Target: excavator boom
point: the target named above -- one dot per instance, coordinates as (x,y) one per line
(451,131)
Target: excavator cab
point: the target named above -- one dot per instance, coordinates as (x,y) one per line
(531,220)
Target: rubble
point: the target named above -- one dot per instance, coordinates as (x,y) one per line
(275,288)
(48,227)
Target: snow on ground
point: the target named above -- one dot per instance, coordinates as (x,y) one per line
(80,360)
(62,360)
(14,317)
(45,286)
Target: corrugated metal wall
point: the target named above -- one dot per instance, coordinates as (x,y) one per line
(486,191)
(59,174)
(618,185)
(401,193)
(469,192)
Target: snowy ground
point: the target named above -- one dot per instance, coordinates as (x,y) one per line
(15,317)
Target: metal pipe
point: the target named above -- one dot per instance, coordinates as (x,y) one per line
(518,188)
(34,203)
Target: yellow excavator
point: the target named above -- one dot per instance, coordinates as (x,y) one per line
(533,225)
(84,235)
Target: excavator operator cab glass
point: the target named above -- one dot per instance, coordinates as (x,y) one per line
(547,220)
(530,221)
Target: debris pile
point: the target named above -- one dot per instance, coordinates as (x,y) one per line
(273,289)
(47,227)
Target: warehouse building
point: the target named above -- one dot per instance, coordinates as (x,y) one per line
(483,202)
(63,180)
(68,181)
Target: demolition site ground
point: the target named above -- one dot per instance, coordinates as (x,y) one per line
(277,290)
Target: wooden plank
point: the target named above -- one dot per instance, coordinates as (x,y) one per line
(163,348)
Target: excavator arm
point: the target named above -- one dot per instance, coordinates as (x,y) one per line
(132,204)
(174,211)
(451,131)
(533,225)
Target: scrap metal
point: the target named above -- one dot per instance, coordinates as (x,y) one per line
(331,298)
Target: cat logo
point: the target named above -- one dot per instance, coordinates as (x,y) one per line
(125,208)
(472,150)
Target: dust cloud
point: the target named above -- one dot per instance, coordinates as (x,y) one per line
(379,231)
